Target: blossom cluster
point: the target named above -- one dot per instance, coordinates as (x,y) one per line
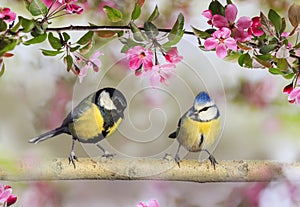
(69,6)
(6,196)
(141,61)
(7,15)
(229,30)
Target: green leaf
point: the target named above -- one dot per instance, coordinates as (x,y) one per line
(275,71)
(245,60)
(16,27)
(66,36)
(265,57)
(229,1)
(113,14)
(37,39)
(267,26)
(201,34)
(283,25)
(73,49)
(3,25)
(136,12)
(27,24)
(54,41)
(85,38)
(2,70)
(69,60)
(51,52)
(36,7)
(267,48)
(154,15)
(275,19)
(124,49)
(6,45)
(282,64)
(176,32)
(216,8)
(297,46)
(289,76)
(150,30)
(137,34)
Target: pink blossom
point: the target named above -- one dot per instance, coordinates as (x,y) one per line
(238,28)
(12,198)
(293,92)
(151,203)
(255,27)
(139,56)
(5,192)
(221,41)
(93,62)
(172,56)
(294,96)
(161,74)
(70,7)
(7,15)
(208,14)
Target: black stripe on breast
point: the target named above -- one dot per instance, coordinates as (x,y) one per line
(201,140)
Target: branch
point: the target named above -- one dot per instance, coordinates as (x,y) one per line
(103,28)
(149,169)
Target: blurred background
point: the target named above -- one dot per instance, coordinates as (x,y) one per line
(258,122)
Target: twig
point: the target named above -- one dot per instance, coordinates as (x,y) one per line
(149,169)
(102,28)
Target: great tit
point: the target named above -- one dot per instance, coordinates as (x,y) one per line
(199,127)
(94,118)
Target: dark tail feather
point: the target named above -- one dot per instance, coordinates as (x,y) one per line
(173,135)
(47,135)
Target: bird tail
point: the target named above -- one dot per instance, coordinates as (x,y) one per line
(47,135)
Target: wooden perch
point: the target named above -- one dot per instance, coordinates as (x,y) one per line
(149,169)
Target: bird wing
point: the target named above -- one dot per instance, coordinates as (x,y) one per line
(173,135)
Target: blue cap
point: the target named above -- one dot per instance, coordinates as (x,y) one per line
(202,98)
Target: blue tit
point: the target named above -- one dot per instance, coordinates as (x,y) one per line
(94,118)
(199,127)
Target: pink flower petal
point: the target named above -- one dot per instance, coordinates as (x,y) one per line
(74,8)
(172,56)
(83,73)
(294,94)
(257,32)
(5,195)
(207,13)
(225,32)
(230,12)
(147,63)
(153,203)
(135,63)
(244,22)
(210,43)
(219,21)
(231,43)
(221,51)
(241,35)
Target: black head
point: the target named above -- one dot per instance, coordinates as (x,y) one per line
(111,99)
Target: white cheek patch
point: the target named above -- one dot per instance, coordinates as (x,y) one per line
(209,114)
(106,102)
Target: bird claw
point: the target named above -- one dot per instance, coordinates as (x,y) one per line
(177,160)
(213,161)
(108,155)
(72,159)
(168,157)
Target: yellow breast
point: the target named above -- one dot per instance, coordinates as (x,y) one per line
(89,125)
(191,133)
